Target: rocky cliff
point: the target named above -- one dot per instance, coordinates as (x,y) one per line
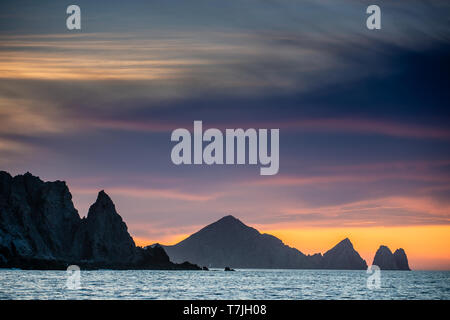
(102,236)
(37,220)
(386,260)
(41,229)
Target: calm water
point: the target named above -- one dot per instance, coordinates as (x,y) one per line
(242,284)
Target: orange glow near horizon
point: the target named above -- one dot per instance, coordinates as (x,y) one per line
(169,240)
(425,246)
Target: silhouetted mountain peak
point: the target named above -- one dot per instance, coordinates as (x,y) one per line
(229,242)
(227,225)
(103,204)
(384,250)
(344,256)
(346,243)
(228,220)
(225,230)
(102,197)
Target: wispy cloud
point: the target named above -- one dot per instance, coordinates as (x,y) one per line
(149,193)
(369,126)
(386,211)
(293,180)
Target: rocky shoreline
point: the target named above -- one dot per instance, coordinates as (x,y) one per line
(41,229)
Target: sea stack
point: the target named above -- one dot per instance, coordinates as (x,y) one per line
(401,260)
(386,260)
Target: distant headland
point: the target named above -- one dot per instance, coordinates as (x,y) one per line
(228,241)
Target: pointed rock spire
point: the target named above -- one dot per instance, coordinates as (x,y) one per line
(401,260)
(103,236)
(103,204)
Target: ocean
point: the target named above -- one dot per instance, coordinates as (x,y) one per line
(218,284)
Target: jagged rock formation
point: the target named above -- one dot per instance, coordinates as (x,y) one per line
(386,260)
(401,260)
(37,219)
(103,236)
(41,229)
(229,242)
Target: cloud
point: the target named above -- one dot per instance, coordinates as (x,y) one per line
(297,81)
(370,126)
(361,177)
(388,211)
(22,116)
(96,108)
(148,193)
(355,125)
(12,152)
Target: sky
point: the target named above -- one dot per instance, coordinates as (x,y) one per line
(363,115)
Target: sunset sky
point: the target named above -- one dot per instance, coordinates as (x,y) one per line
(363,115)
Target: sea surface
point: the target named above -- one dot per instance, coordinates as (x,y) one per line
(218,284)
